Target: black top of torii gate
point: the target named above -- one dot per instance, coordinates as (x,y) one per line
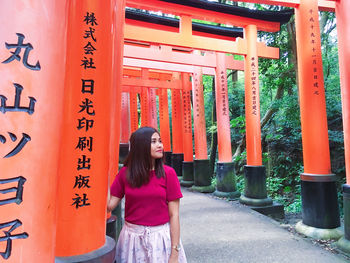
(173,22)
(282,16)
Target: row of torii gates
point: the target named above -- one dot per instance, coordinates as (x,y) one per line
(79,66)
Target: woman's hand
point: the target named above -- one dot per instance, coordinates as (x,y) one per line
(112,203)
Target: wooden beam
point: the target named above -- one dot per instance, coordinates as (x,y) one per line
(197,42)
(141,63)
(324,5)
(170,55)
(141,82)
(202,14)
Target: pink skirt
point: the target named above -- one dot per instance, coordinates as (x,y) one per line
(146,244)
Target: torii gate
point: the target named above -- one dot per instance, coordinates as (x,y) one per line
(208,63)
(187,39)
(30,166)
(317,175)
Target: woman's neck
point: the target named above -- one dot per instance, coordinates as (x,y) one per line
(153,164)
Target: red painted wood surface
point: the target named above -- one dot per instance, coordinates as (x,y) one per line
(187,118)
(200,136)
(134,119)
(252,101)
(164,125)
(222,111)
(125,118)
(313,114)
(343,27)
(33,167)
(84,157)
(176,120)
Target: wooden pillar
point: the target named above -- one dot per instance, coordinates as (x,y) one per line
(255,193)
(252,99)
(153,108)
(117,76)
(200,136)
(145,120)
(176,120)
(31,117)
(125,127)
(225,177)
(84,157)
(187,164)
(134,119)
(319,195)
(164,124)
(222,111)
(202,177)
(125,118)
(343,28)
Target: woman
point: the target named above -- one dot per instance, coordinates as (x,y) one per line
(151,232)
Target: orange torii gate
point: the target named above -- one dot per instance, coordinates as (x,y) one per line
(29,66)
(154,57)
(254,171)
(312,143)
(164,82)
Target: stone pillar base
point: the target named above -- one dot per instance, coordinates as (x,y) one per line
(167,158)
(117,212)
(123,151)
(111,227)
(255,186)
(203,189)
(176,163)
(255,201)
(343,244)
(226,181)
(105,254)
(187,174)
(318,233)
(319,201)
(202,177)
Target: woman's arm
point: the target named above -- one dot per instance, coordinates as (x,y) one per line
(112,203)
(174,229)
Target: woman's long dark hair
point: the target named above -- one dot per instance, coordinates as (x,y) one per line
(139,159)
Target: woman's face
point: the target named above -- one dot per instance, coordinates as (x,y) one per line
(156,146)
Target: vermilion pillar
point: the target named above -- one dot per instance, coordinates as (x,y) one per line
(202,177)
(254,172)
(84,157)
(145,116)
(319,195)
(117,76)
(134,119)
(177,156)
(115,98)
(125,127)
(31,117)
(125,118)
(187,164)
(164,124)
(343,27)
(226,181)
(153,108)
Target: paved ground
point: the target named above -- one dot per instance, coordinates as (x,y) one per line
(217,231)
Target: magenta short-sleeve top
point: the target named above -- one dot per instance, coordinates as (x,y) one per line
(148,204)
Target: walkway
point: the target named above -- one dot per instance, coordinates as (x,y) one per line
(217,231)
